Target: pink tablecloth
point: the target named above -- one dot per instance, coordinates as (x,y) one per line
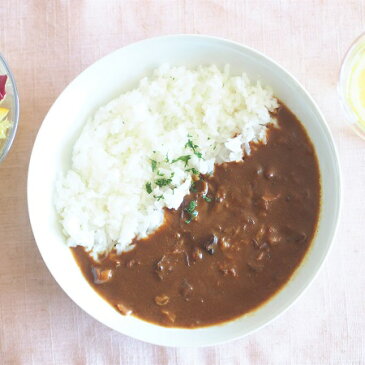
(48,43)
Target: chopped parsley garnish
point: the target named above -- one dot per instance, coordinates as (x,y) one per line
(194,147)
(167,158)
(153,165)
(190,210)
(160,178)
(191,207)
(193,170)
(193,187)
(206,198)
(148,188)
(184,158)
(190,144)
(163,182)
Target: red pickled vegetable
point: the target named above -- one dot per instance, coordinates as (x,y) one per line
(3,79)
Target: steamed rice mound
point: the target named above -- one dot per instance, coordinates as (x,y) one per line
(138,153)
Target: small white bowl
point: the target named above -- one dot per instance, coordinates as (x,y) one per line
(118,72)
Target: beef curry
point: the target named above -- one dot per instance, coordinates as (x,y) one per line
(234,242)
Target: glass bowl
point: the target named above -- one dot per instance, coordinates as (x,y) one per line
(351,85)
(10,102)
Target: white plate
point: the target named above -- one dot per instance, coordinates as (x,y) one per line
(117,73)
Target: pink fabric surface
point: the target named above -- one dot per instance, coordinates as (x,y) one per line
(48,43)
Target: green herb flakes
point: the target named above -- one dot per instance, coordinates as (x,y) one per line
(193,170)
(193,188)
(206,198)
(148,188)
(191,207)
(190,210)
(194,213)
(163,182)
(194,147)
(184,158)
(153,165)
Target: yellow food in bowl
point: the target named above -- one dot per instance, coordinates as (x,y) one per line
(5,124)
(356,89)
(351,86)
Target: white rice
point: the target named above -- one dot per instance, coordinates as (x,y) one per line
(102,200)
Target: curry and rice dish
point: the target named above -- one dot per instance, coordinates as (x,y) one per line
(192,199)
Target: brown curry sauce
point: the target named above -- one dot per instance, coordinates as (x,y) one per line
(256,220)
